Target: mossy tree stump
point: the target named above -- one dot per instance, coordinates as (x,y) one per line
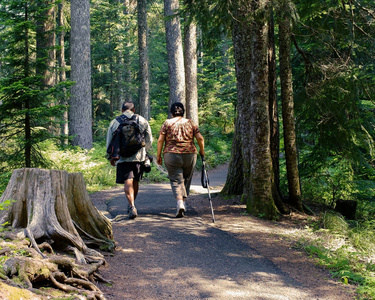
(53,207)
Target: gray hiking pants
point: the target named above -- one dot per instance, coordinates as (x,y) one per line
(180,170)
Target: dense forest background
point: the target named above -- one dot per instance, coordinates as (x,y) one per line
(283,91)
(330,59)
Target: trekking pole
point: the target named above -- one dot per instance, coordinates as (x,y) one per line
(205,184)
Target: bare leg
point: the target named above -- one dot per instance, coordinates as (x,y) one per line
(131,190)
(135,187)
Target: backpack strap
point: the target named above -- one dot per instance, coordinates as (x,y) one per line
(121,118)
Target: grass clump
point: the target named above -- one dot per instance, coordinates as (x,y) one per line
(345,248)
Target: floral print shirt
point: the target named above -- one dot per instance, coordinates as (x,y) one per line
(179,135)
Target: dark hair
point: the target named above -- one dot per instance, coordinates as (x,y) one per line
(177,109)
(128,105)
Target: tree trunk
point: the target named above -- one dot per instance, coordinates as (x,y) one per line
(260,199)
(176,69)
(144,92)
(27,98)
(54,206)
(234,182)
(127,56)
(288,111)
(111,72)
(62,70)
(274,117)
(191,65)
(45,43)
(274,110)
(240,157)
(80,109)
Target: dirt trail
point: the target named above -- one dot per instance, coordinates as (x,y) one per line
(238,257)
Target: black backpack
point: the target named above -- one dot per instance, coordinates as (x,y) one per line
(127,139)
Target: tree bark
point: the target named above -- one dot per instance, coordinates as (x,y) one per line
(45,43)
(27,98)
(54,206)
(274,110)
(176,71)
(144,92)
(128,96)
(290,144)
(234,182)
(191,69)
(80,109)
(64,130)
(260,198)
(274,117)
(239,167)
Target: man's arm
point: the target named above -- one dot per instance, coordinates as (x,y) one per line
(111,129)
(148,136)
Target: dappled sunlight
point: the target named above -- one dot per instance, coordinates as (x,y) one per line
(77,160)
(129,250)
(144,235)
(238,256)
(189,226)
(229,286)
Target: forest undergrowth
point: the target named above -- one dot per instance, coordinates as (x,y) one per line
(346,248)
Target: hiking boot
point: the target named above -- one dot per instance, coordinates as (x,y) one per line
(132,212)
(180,209)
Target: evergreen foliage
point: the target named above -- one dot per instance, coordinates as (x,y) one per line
(25,111)
(334,79)
(333,63)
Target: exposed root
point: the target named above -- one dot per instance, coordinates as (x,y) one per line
(67,286)
(64,272)
(100,278)
(78,254)
(29,235)
(46,247)
(54,208)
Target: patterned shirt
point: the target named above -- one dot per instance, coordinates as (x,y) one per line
(179,136)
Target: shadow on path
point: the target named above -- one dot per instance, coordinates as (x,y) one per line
(160,257)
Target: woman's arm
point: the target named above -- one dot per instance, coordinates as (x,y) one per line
(200,141)
(161,140)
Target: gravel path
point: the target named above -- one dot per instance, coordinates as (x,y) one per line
(238,257)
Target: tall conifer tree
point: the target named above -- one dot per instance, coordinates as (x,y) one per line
(25,114)
(80,106)
(144,91)
(176,70)
(290,140)
(191,69)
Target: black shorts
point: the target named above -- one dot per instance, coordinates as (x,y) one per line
(129,170)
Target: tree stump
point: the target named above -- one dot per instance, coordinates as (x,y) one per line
(54,206)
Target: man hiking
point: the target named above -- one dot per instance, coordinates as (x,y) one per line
(130,135)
